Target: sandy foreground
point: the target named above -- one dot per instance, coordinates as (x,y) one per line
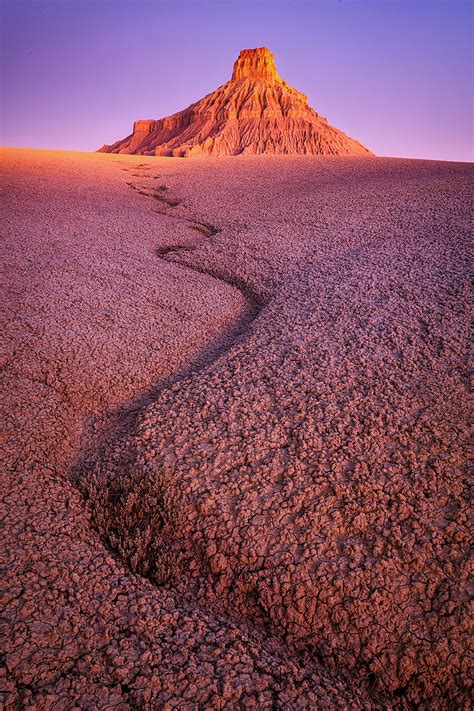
(236,421)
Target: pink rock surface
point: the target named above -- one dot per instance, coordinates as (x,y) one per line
(236,419)
(255,112)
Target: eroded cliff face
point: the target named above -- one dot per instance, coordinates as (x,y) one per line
(256,64)
(255,112)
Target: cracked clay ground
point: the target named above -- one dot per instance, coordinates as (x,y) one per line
(236,421)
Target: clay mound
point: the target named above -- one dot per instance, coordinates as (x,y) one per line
(255,112)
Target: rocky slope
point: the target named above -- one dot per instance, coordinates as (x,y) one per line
(255,112)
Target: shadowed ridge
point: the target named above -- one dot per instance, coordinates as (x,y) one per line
(256,112)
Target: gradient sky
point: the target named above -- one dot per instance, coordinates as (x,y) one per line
(395,74)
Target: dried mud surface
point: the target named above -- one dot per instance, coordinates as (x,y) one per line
(236,422)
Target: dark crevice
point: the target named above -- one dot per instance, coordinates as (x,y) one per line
(128,531)
(205,229)
(162,251)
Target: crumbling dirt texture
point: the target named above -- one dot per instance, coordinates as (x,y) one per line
(236,425)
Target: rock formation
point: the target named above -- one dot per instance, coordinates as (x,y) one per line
(255,112)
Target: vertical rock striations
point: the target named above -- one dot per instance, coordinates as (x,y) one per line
(255,112)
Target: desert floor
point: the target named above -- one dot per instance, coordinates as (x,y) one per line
(235,421)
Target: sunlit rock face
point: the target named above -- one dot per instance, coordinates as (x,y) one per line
(256,64)
(256,112)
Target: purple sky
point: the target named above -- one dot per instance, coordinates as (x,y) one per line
(395,74)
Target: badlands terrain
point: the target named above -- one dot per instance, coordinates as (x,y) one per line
(236,421)
(253,113)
